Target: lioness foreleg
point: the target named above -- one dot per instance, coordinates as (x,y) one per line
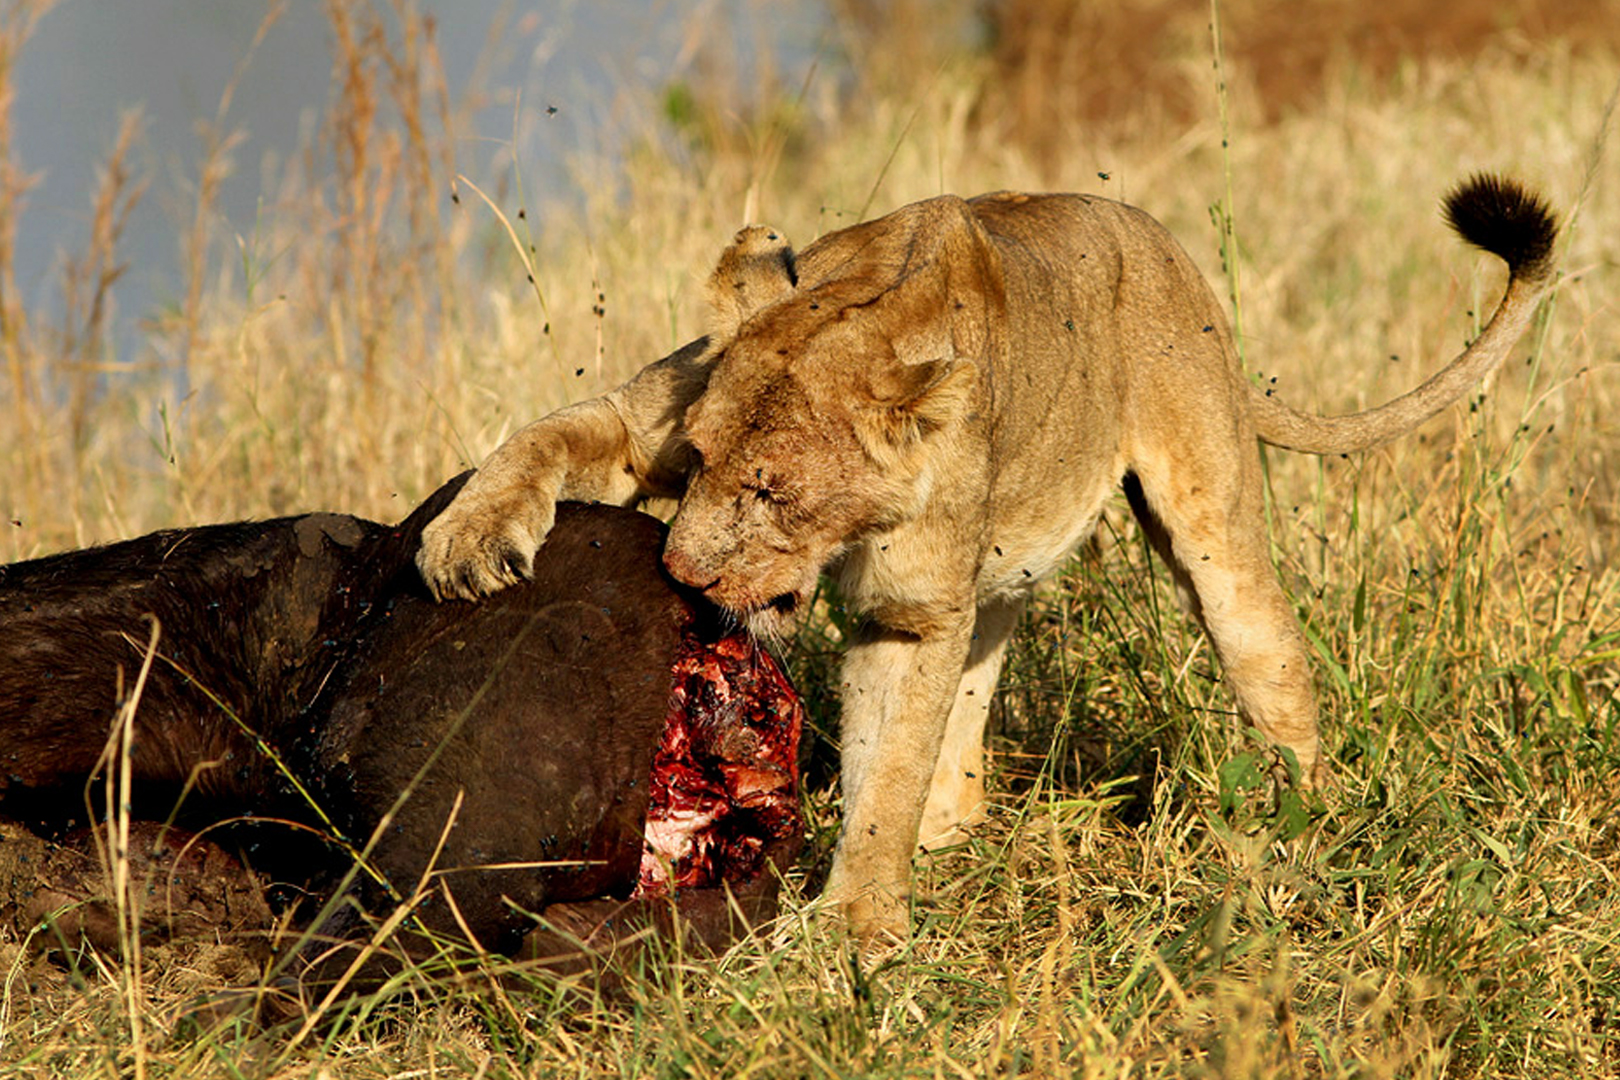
(486,539)
(617,448)
(956,795)
(898,690)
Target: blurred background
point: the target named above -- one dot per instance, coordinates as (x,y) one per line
(233,243)
(197,72)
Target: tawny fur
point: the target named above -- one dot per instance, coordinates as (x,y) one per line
(933,407)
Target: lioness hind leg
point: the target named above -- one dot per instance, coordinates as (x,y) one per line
(1156,535)
(1211,531)
(956,795)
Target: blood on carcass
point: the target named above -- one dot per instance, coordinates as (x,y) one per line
(725,777)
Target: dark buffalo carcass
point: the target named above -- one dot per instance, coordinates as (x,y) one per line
(553,764)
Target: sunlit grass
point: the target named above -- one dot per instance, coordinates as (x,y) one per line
(1138,904)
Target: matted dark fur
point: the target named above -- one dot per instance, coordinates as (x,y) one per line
(301,664)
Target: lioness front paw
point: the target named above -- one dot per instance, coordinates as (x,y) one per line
(472,550)
(877,920)
(874,915)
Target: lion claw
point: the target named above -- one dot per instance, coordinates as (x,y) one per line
(470,554)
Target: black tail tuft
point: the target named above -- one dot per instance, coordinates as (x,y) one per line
(1506,219)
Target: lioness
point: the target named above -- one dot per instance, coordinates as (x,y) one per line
(933,407)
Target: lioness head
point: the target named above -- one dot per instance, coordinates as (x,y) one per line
(825,407)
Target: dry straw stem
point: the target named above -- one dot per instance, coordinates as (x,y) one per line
(17,23)
(116,766)
(1135,905)
(215,168)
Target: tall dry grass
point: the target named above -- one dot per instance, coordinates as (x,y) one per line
(1136,905)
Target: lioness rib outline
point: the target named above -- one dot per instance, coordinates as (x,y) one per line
(933,407)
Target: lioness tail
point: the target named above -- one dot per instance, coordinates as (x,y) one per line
(1491,212)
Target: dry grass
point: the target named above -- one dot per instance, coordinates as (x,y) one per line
(1136,906)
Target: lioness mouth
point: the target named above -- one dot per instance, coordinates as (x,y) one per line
(786,604)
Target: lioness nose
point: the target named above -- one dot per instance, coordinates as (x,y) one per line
(684,569)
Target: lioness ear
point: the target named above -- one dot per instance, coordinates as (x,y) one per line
(911,401)
(756,270)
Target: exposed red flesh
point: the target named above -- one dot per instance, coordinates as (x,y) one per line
(725,778)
